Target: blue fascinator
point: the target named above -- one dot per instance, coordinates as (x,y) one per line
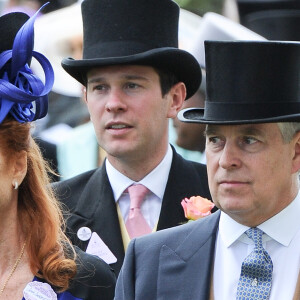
(22,94)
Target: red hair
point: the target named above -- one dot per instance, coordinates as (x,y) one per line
(49,250)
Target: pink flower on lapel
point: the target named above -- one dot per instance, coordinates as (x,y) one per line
(196,207)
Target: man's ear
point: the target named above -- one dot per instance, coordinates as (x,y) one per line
(177,94)
(84,94)
(20,167)
(296,158)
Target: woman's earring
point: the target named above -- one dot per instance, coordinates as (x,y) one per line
(16,185)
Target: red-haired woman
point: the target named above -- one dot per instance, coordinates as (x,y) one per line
(37,261)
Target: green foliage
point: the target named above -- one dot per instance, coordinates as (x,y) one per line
(200,7)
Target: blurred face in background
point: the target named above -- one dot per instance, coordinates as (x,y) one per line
(191,136)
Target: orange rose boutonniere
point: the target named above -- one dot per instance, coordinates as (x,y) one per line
(196,207)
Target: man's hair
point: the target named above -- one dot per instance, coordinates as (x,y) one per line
(167,79)
(288,130)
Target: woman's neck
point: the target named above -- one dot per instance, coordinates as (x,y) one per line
(11,238)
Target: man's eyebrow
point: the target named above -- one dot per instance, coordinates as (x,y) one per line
(135,77)
(211,130)
(251,131)
(244,130)
(95,79)
(126,77)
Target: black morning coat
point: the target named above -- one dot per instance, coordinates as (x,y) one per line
(89,200)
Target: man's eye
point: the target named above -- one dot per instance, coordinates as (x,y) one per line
(215,143)
(131,85)
(99,87)
(249,140)
(214,140)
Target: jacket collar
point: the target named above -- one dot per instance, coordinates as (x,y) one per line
(187,278)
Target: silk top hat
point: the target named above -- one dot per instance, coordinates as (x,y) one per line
(139,32)
(10,25)
(277,24)
(249,82)
(246,7)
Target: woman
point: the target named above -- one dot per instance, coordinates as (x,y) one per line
(37,261)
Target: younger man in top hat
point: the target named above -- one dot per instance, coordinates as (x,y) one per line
(250,248)
(135,79)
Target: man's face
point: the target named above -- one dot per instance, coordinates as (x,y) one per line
(250,170)
(129,114)
(190,136)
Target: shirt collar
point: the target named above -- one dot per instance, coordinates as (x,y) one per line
(281,227)
(284,226)
(155,181)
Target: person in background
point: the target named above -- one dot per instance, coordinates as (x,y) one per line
(135,80)
(37,260)
(67,109)
(250,247)
(191,136)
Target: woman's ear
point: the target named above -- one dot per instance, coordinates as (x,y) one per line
(177,94)
(20,167)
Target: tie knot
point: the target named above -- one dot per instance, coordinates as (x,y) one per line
(137,194)
(255,234)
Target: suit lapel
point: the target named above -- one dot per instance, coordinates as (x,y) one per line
(184,181)
(96,209)
(188,267)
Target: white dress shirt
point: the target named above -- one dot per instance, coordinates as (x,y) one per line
(155,181)
(281,240)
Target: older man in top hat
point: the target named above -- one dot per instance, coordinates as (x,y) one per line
(250,248)
(135,79)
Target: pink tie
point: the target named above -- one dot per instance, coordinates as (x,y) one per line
(136,224)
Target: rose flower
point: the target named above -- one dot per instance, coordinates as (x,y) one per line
(196,207)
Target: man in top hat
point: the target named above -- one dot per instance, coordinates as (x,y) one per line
(135,79)
(250,247)
(212,27)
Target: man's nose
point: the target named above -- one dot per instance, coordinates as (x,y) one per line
(115,101)
(230,157)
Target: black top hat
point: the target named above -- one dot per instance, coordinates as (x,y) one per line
(249,82)
(246,7)
(277,24)
(10,25)
(140,32)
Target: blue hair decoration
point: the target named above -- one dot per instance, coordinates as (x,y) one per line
(19,87)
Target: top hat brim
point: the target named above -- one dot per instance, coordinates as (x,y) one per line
(197,115)
(180,62)
(249,82)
